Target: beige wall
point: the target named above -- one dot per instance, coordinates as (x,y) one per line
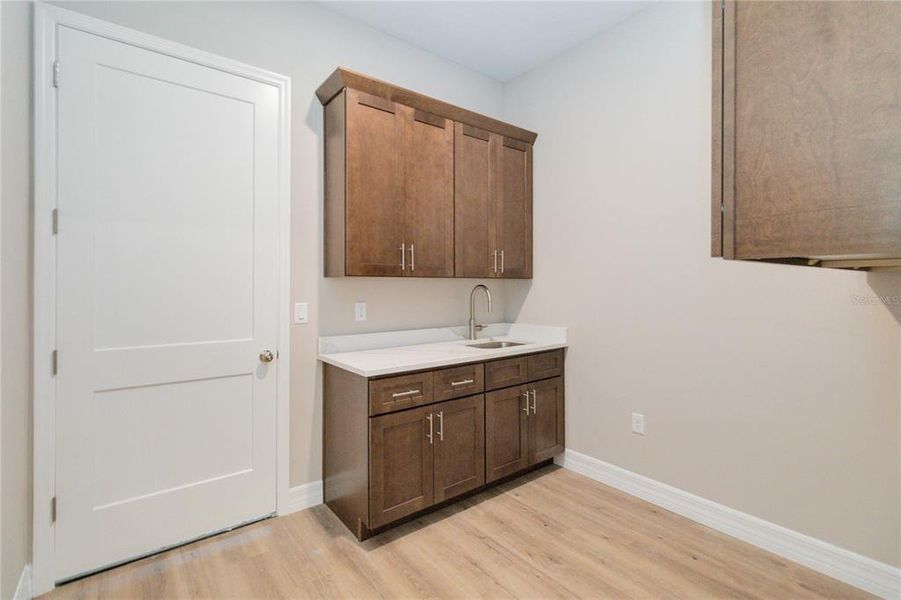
(15,289)
(764,388)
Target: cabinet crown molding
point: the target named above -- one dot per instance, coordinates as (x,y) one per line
(343,78)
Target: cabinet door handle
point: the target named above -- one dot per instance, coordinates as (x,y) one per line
(526,394)
(464,382)
(429,436)
(441,425)
(402,394)
(495,261)
(502,261)
(534,402)
(412,259)
(403,257)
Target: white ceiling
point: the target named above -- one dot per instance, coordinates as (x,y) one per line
(501,39)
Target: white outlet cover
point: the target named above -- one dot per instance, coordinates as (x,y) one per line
(638,423)
(360,311)
(301,312)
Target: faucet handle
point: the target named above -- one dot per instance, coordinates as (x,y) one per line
(479,327)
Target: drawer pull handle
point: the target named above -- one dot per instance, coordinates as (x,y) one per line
(403,394)
(464,382)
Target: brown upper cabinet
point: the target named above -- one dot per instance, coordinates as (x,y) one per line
(418,187)
(807,133)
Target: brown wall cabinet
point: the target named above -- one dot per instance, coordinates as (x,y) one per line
(807,133)
(398,445)
(416,187)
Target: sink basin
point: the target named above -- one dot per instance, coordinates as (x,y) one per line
(495,345)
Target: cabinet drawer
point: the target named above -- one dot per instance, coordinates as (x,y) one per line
(397,393)
(457,382)
(507,372)
(546,364)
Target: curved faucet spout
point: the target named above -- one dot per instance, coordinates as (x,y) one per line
(472,309)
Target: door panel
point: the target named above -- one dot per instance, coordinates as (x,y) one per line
(514,209)
(459,446)
(400,464)
(475,188)
(546,423)
(429,193)
(506,432)
(167,290)
(375,186)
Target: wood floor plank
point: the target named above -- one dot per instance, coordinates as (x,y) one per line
(550,534)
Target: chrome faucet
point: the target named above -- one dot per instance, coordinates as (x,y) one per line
(472,310)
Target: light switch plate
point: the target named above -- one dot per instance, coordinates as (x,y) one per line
(360,311)
(301,312)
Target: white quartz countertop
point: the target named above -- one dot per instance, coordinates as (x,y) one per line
(385,353)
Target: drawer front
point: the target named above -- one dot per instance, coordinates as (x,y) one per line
(546,364)
(397,393)
(457,382)
(507,372)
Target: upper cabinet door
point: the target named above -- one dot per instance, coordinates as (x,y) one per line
(374,216)
(514,209)
(475,195)
(807,132)
(428,194)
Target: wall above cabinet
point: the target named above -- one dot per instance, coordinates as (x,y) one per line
(417,187)
(807,133)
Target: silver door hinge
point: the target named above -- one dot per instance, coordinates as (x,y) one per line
(722,207)
(53,509)
(55,221)
(54,362)
(56,73)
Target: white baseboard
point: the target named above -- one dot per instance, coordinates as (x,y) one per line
(862,572)
(303,496)
(23,589)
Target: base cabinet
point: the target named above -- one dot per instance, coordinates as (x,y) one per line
(423,449)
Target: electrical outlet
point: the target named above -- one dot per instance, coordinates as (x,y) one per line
(301,312)
(360,311)
(638,423)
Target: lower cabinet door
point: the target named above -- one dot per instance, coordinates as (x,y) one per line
(459,446)
(400,464)
(506,432)
(546,422)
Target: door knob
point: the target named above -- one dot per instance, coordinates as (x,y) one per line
(266,356)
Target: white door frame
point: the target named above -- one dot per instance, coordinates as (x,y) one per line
(47,19)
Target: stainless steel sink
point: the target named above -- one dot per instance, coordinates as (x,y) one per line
(495,345)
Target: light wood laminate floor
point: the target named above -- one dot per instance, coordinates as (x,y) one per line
(551,534)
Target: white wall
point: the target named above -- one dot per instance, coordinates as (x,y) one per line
(15,294)
(764,388)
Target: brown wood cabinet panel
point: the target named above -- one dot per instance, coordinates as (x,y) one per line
(457,382)
(514,210)
(335,170)
(811,130)
(506,432)
(506,372)
(475,195)
(546,429)
(400,464)
(397,393)
(374,216)
(546,364)
(428,194)
(345,447)
(459,446)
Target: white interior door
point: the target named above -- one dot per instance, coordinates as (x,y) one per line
(167,293)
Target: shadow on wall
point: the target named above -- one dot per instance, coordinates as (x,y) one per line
(515,293)
(886,291)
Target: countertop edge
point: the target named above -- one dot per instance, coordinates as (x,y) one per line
(433,364)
